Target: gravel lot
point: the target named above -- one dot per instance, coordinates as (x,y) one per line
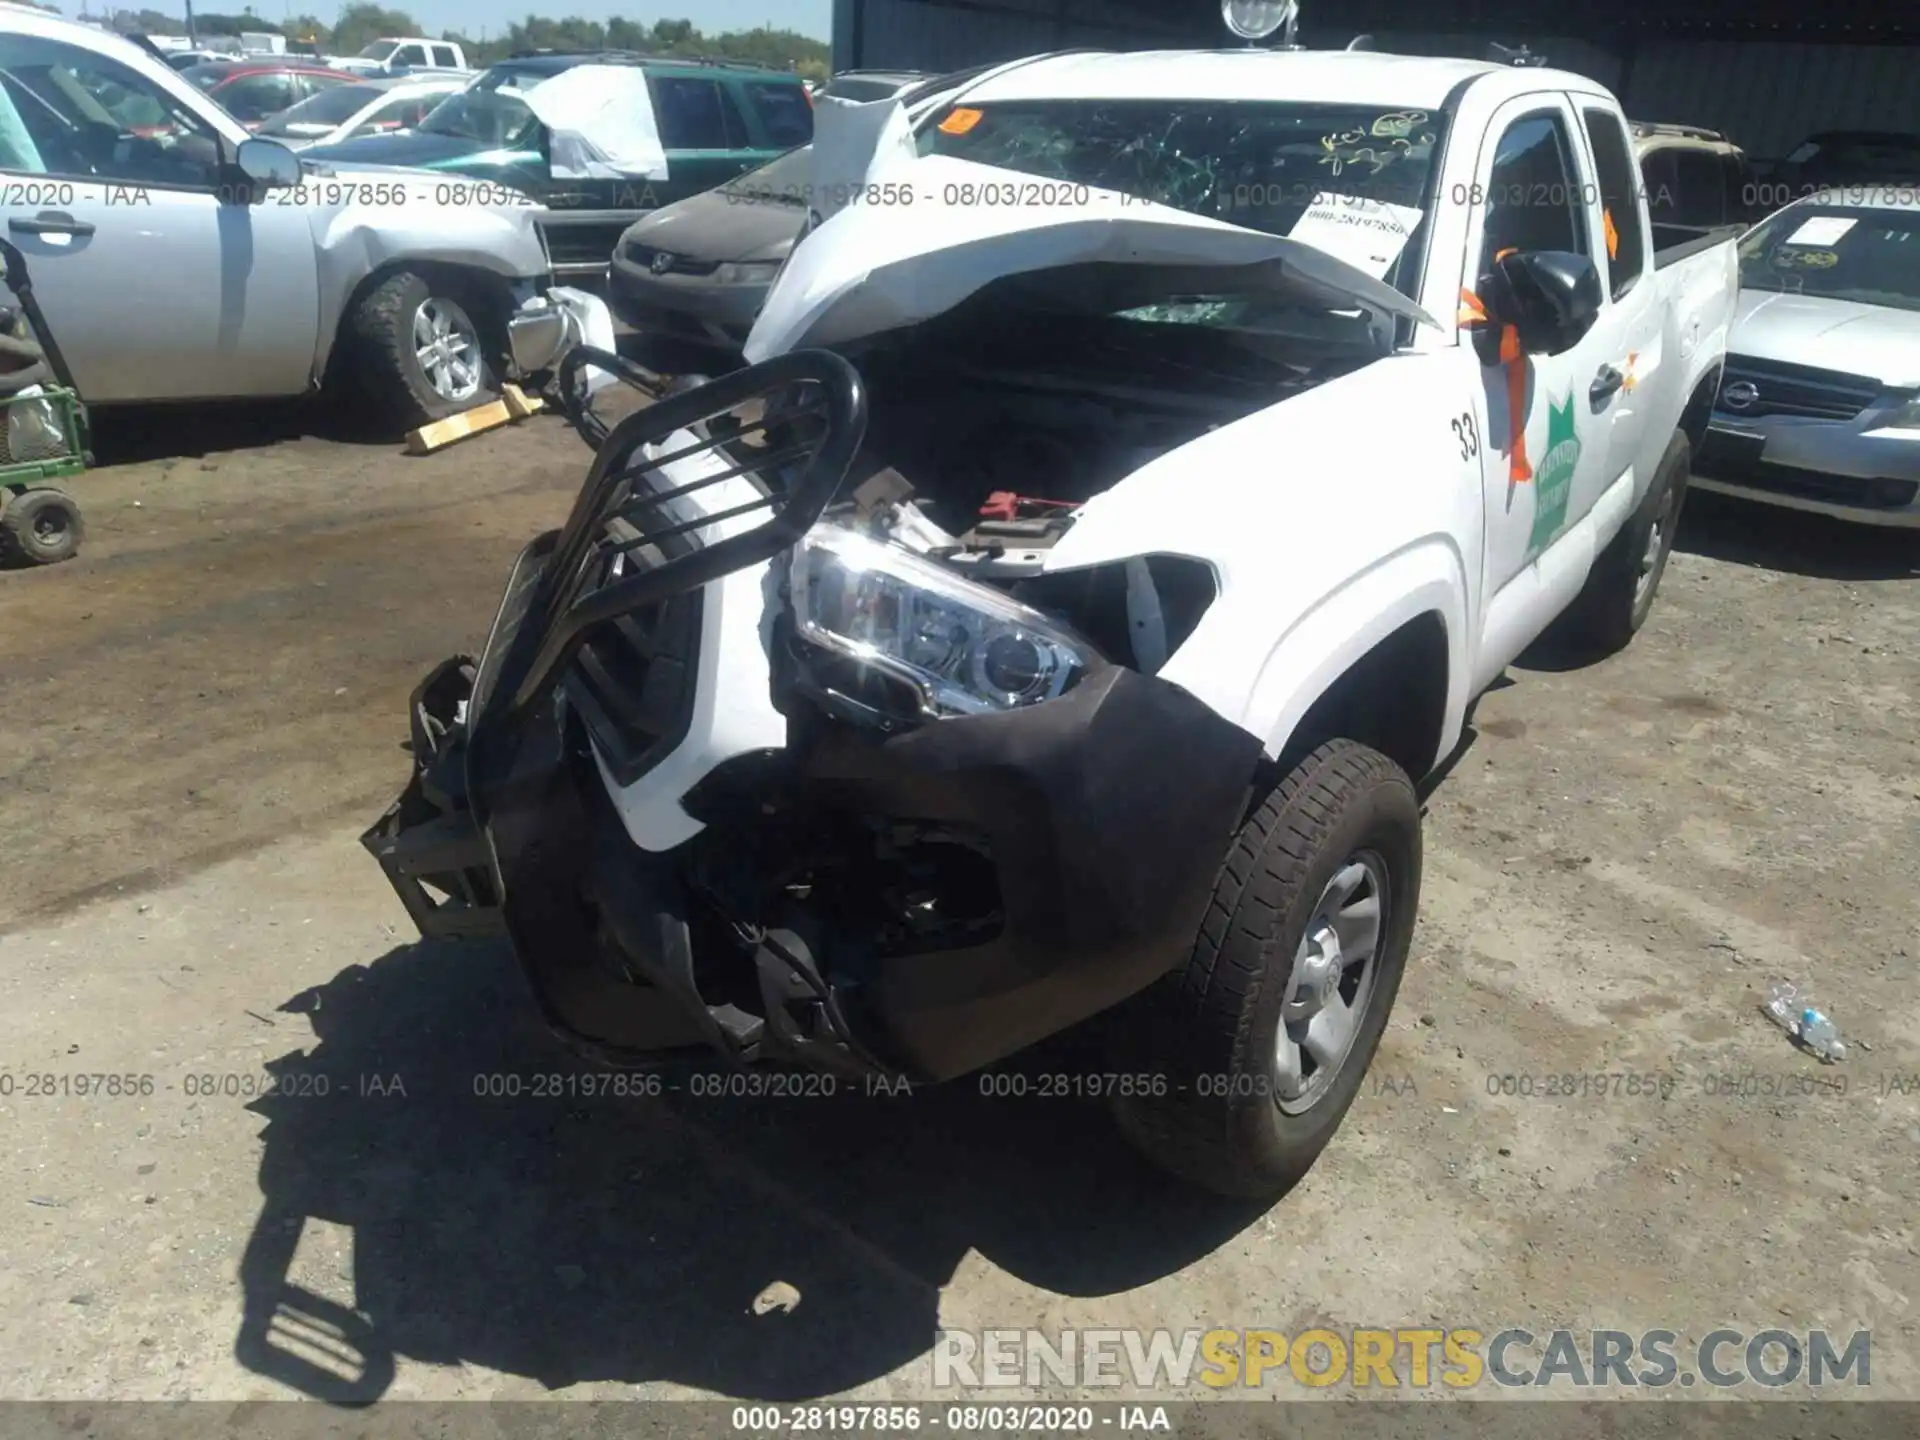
(203,711)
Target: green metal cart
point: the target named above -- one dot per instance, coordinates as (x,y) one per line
(44,437)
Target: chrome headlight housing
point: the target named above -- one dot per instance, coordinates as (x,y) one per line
(964,648)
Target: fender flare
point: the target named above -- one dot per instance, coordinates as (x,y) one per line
(1427,577)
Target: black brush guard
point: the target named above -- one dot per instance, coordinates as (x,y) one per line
(1104,814)
(468,717)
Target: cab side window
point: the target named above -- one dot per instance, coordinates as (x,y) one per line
(1660,178)
(785,113)
(81,116)
(696,115)
(1626,236)
(1534,199)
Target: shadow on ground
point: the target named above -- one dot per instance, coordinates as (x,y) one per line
(133,434)
(1769,537)
(573,1239)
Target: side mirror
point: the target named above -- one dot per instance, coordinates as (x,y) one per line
(267,165)
(1552,297)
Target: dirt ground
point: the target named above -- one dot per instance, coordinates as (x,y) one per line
(201,713)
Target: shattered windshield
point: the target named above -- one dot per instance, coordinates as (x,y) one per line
(1353,180)
(1868,256)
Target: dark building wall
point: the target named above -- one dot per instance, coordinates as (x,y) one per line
(1765,71)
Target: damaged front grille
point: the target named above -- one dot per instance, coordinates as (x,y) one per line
(632,684)
(1753,388)
(682,493)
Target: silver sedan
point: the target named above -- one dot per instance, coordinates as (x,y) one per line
(1819,408)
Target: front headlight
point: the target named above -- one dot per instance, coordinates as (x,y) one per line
(964,648)
(747,272)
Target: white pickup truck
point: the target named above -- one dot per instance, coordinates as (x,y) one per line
(405,55)
(1162,454)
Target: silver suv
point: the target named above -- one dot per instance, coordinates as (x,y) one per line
(179,258)
(1696,179)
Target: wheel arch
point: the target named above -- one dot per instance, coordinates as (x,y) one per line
(1382,661)
(492,290)
(1699,407)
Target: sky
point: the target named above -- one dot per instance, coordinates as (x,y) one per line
(809,17)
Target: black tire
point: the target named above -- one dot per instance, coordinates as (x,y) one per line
(1614,604)
(43,527)
(383,365)
(1211,1027)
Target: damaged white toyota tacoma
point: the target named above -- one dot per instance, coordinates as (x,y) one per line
(1130,494)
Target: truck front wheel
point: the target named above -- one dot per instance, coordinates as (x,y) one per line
(1619,593)
(1265,1034)
(418,349)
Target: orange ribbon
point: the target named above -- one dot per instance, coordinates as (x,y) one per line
(1473,315)
(1518,470)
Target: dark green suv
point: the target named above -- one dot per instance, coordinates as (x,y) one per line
(716,119)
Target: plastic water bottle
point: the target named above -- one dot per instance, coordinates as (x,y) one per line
(1784,1007)
(1819,1036)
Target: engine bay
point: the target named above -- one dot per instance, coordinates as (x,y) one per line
(998,427)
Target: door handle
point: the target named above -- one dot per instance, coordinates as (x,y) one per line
(1605,385)
(50,222)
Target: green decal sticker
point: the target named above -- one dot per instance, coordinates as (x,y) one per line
(1553,476)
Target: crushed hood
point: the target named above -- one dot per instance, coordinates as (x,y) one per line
(883,265)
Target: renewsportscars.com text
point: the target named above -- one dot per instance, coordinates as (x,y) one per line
(1401,1357)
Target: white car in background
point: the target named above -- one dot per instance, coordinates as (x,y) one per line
(366,107)
(1820,405)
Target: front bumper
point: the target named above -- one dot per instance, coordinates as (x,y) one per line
(1104,816)
(1825,467)
(581,242)
(685,307)
(1084,837)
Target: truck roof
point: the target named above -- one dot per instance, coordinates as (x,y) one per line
(1330,77)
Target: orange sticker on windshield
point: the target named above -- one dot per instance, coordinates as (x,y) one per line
(1613,235)
(959,122)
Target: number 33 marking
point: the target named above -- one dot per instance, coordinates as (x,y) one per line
(1468,435)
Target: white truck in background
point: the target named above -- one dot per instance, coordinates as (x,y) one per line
(405,55)
(1163,452)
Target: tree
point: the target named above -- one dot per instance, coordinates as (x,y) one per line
(307,27)
(364,21)
(145,22)
(781,49)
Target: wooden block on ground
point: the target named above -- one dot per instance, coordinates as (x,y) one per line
(429,438)
(521,403)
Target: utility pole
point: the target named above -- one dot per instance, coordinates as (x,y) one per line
(192,41)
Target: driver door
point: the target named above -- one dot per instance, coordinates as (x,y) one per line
(1533,194)
(154,289)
